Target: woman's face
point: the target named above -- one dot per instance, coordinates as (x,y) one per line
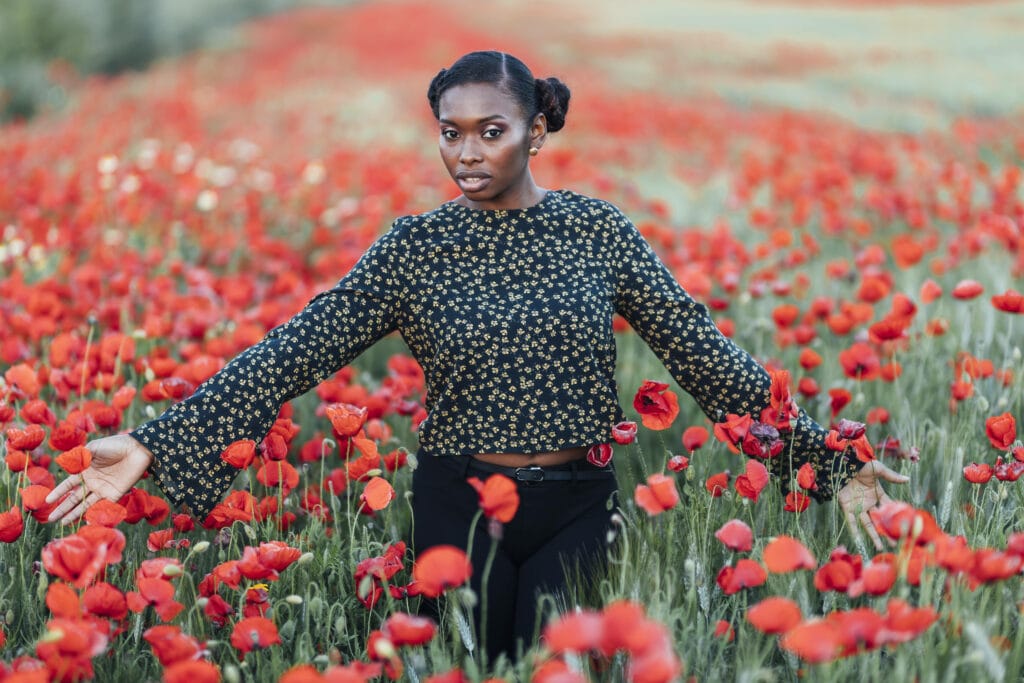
(485,144)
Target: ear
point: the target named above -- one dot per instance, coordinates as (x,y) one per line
(538,131)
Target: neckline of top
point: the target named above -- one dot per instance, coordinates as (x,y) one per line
(542,204)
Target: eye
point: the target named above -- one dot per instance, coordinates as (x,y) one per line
(449,134)
(492,133)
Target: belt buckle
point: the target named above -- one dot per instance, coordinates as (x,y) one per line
(533,474)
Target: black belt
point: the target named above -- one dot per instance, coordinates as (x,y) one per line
(535,473)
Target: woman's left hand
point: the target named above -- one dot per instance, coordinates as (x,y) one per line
(864,491)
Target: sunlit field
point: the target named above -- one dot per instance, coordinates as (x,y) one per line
(841,183)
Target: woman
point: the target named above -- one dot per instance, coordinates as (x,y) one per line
(505,296)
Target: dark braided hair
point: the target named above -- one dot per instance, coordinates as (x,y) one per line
(548,96)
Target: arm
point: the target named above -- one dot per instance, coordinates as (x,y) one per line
(722,377)
(244,398)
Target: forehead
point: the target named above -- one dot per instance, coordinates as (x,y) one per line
(471,102)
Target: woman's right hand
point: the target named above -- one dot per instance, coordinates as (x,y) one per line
(117,463)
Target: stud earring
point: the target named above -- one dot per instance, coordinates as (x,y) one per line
(534,151)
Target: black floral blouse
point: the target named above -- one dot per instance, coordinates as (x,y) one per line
(509,313)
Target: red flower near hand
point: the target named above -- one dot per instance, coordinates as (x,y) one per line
(499,497)
(657,404)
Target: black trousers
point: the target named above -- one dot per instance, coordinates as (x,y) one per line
(558,524)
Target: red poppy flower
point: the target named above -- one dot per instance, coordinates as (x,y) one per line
(797,502)
(192,671)
(600,454)
(405,629)
(657,405)
(11,525)
(841,570)
(1001,431)
(63,601)
(814,641)
(1008,471)
(733,430)
(752,481)
(978,473)
(746,574)
(579,631)
(806,477)
(860,362)
(1010,301)
(439,568)
(103,600)
(155,592)
(74,559)
(736,535)
(678,463)
(897,520)
(785,554)
(877,578)
(905,622)
(346,419)
(27,439)
(278,473)
(717,484)
(774,615)
(239,454)
(723,629)
(106,513)
(694,438)
(930,291)
(624,433)
(377,494)
(967,289)
(140,505)
(658,495)
(170,645)
(783,410)
(254,632)
(499,497)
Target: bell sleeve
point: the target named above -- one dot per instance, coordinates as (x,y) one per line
(244,398)
(721,377)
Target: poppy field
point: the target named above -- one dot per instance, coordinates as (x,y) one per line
(869,255)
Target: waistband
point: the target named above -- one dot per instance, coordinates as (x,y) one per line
(571,471)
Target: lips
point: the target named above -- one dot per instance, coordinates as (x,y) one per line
(472,181)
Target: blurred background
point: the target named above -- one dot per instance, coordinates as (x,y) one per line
(890,64)
(44,44)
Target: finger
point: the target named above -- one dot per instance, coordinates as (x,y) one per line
(63,488)
(865,519)
(72,499)
(851,522)
(80,509)
(883,498)
(889,475)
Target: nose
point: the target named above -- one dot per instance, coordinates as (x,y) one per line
(469,152)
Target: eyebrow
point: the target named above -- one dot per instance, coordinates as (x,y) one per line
(479,121)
